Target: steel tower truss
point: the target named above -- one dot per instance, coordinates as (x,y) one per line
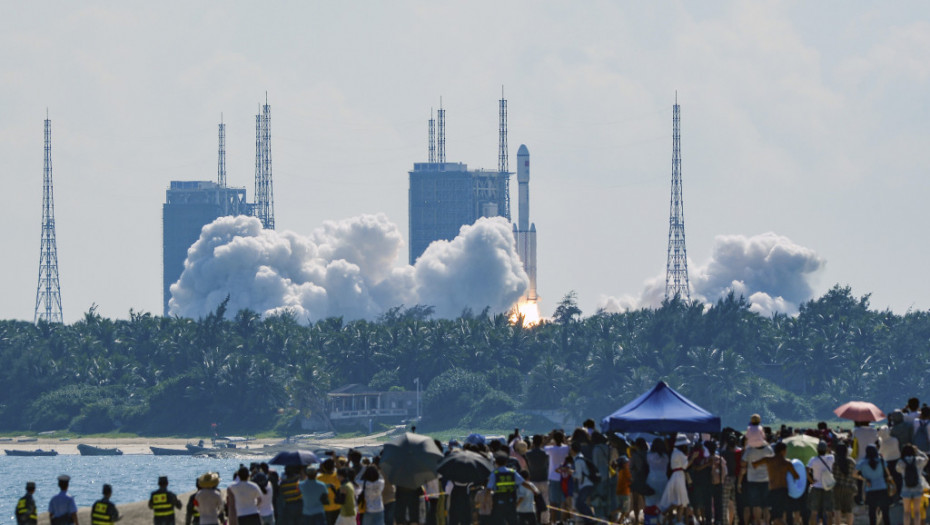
(264,187)
(676,268)
(48,293)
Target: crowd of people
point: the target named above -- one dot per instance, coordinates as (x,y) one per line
(751,477)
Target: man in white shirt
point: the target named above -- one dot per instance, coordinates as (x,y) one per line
(821,499)
(557,453)
(247,496)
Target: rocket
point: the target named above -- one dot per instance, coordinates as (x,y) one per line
(524,232)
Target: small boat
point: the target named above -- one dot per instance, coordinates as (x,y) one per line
(90,450)
(27,440)
(37,452)
(160,451)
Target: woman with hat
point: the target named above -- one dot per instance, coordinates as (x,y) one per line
(209,499)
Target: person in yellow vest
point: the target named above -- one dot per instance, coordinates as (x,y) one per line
(192,509)
(163,502)
(26,513)
(104,511)
(328,476)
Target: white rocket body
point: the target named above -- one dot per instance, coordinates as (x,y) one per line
(524,232)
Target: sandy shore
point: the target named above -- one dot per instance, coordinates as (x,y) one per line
(140,445)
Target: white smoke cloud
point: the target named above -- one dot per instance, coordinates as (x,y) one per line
(769,270)
(346,268)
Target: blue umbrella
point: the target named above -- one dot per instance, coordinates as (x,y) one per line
(294,457)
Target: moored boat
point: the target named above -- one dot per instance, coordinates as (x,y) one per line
(90,450)
(160,451)
(37,452)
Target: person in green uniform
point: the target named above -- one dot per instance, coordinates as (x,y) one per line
(163,502)
(104,511)
(26,513)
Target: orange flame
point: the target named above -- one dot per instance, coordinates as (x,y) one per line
(530,313)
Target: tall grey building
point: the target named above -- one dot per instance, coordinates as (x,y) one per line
(444,196)
(189,206)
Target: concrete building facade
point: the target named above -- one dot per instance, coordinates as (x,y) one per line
(189,206)
(444,196)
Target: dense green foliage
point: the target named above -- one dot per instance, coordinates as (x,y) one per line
(160,375)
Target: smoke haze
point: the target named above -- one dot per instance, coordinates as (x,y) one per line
(346,268)
(769,270)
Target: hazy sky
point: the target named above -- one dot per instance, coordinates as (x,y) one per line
(806,119)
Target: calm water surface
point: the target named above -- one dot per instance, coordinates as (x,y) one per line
(133,476)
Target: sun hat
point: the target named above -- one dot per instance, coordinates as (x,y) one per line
(210,480)
(520,447)
(682,440)
(755,419)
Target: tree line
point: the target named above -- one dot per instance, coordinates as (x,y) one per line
(169,375)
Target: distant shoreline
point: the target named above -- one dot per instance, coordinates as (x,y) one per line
(140,445)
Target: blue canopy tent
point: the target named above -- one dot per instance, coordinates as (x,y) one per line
(659,410)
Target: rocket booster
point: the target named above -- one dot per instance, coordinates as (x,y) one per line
(524,231)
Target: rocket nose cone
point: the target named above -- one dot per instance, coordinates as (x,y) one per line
(523,151)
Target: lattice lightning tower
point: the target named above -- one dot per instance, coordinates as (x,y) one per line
(48,294)
(432,138)
(264,187)
(441,142)
(676,268)
(502,154)
(502,132)
(221,157)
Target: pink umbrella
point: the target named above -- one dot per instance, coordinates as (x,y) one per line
(860,411)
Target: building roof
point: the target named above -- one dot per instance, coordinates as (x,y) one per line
(353,389)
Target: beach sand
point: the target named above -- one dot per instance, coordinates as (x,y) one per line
(140,445)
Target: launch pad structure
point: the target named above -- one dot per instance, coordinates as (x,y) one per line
(444,196)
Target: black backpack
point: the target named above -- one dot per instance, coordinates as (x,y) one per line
(593,474)
(911,476)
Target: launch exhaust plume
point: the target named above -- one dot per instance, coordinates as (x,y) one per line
(346,268)
(769,270)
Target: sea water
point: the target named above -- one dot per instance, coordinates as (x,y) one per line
(133,477)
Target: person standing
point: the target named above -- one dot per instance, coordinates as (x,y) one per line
(910,468)
(328,476)
(757,478)
(266,507)
(163,502)
(104,511)
(209,499)
(526,510)
(26,512)
(874,475)
(584,485)
(657,479)
(372,488)
(504,482)
(315,496)
(844,469)
(61,508)
(778,468)
(290,503)
(347,509)
(537,464)
(557,454)
(820,500)
(247,496)
(192,510)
